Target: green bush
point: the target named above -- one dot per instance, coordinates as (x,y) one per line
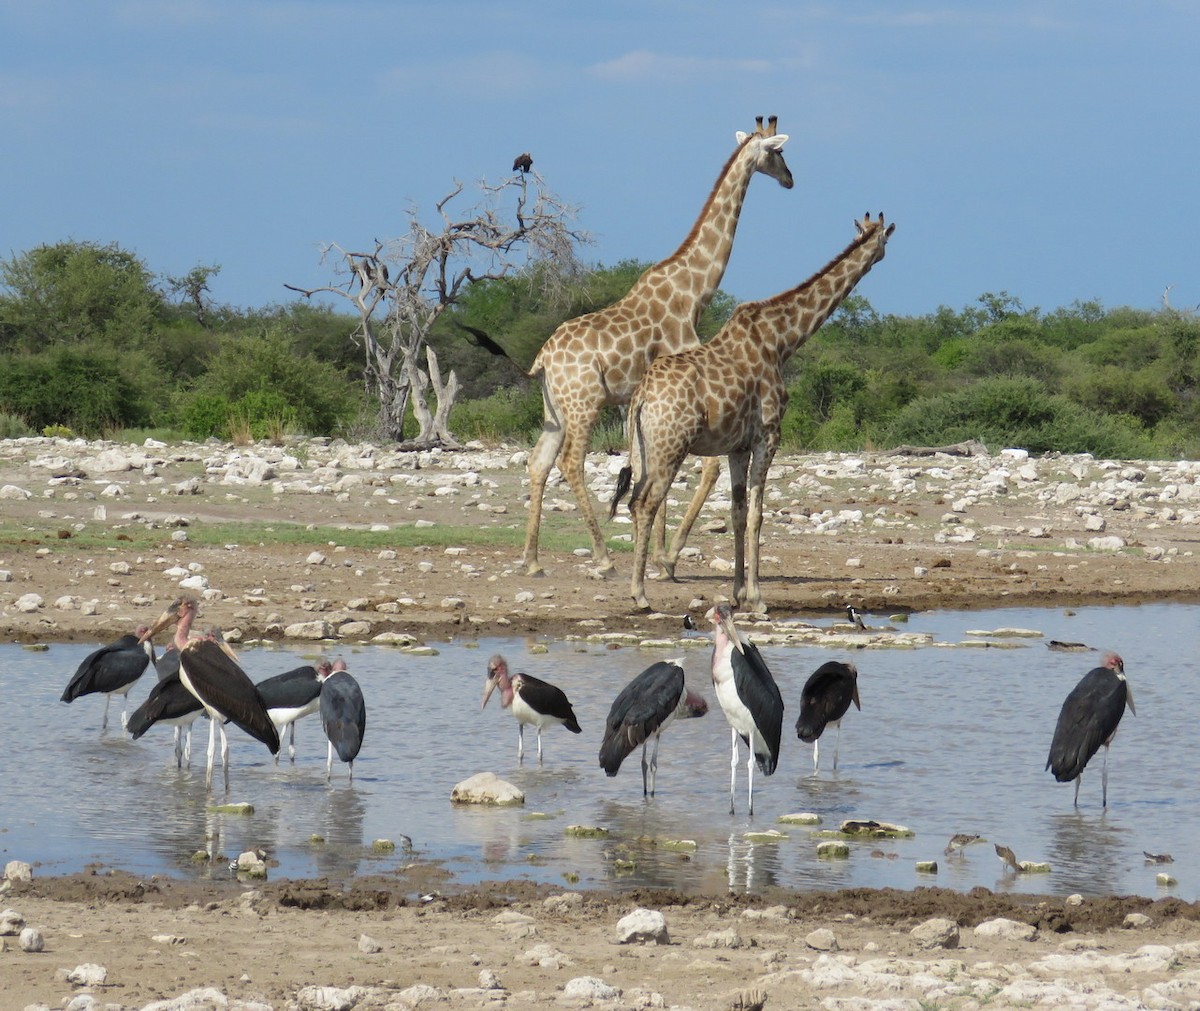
(510,414)
(13,426)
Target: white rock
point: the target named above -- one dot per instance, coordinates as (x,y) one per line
(27,603)
(11,491)
(486,788)
(330,998)
(1110,543)
(11,923)
(18,870)
(546,957)
(822,939)
(196,582)
(643,925)
(936,933)
(315,558)
(31,940)
(1009,930)
(368,945)
(590,988)
(88,974)
(310,630)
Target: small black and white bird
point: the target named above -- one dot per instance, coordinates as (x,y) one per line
(343,716)
(856,618)
(643,710)
(826,698)
(533,702)
(112,670)
(291,696)
(750,698)
(208,669)
(1088,721)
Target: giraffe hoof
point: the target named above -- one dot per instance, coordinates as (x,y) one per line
(534,569)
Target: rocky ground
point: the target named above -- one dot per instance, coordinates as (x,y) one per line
(359,544)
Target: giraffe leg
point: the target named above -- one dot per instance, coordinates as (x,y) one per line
(541,461)
(658,548)
(649,504)
(737,474)
(572,460)
(708,479)
(757,483)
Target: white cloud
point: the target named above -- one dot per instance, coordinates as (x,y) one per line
(643,65)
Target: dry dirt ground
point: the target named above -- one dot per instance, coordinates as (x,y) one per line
(99,562)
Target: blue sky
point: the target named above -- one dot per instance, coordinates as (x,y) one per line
(1044,148)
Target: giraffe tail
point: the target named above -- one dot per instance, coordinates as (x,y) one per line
(624,480)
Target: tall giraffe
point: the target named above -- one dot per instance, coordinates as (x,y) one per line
(728,397)
(596,360)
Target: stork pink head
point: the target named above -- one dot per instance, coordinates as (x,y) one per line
(1114,663)
(497,677)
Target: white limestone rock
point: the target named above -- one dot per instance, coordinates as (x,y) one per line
(642,926)
(590,988)
(486,788)
(936,933)
(1009,930)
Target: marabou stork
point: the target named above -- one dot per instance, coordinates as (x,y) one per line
(343,716)
(532,701)
(112,670)
(1089,719)
(826,698)
(291,696)
(170,703)
(750,698)
(208,669)
(643,710)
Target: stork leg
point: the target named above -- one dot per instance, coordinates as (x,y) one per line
(187,748)
(645,771)
(837,743)
(212,747)
(654,763)
(351,764)
(224,756)
(520,743)
(104,718)
(291,742)
(750,782)
(329,764)
(539,730)
(816,756)
(179,747)
(1104,779)
(1078,780)
(124,710)
(733,762)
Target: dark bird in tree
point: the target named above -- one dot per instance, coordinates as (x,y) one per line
(532,701)
(482,340)
(522,163)
(291,696)
(826,698)
(208,669)
(343,716)
(643,710)
(1089,720)
(170,703)
(750,698)
(112,670)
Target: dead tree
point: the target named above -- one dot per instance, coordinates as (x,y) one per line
(401,287)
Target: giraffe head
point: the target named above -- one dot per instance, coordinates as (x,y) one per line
(867,228)
(765,148)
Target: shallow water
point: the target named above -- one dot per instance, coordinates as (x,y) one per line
(949,740)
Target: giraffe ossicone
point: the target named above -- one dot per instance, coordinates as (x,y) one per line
(596,360)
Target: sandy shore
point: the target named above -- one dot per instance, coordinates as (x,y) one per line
(103,550)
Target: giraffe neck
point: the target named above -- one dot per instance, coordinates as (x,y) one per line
(795,315)
(699,263)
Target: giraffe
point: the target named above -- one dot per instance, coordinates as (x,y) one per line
(597,359)
(728,397)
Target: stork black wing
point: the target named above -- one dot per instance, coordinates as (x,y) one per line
(343,714)
(1089,717)
(760,694)
(641,708)
(111,667)
(221,684)
(826,697)
(550,700)
(168,700)
(292,689)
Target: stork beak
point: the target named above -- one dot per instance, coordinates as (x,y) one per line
(723,619)
(487,692)
(1129,698)
(168,617)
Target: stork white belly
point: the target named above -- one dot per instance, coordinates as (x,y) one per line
(283,715)
(526,714)
(739,716)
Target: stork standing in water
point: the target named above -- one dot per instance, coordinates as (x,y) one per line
(826,698)
(750,698)
(170,703)
(343,715)
(533,701)
(112,670)
(643,710)
(291,696)
(1088,720)
(208,669)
